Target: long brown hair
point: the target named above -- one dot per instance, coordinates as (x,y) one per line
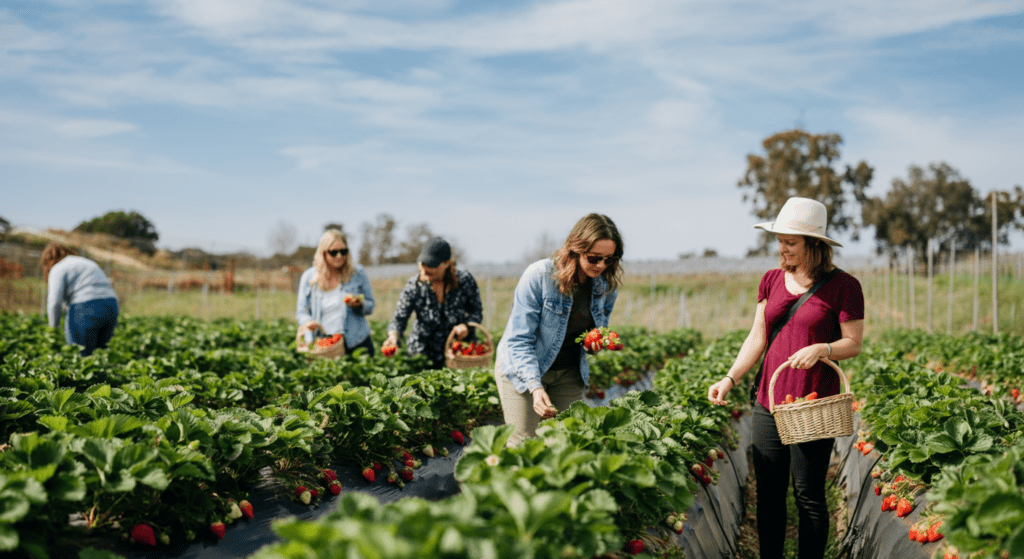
(324,273)
(52,254)
(819,258)
(586,232)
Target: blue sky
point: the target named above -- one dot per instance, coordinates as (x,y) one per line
(493,122)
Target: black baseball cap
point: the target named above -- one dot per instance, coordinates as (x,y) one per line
(435,252)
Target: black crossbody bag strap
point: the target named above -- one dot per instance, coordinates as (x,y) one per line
(775,332)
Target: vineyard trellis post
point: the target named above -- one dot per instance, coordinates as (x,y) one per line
(995,269)
(977,276)
(912,317)
(952,269)
(931,278)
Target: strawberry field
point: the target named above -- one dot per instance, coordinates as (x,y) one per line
(185,432)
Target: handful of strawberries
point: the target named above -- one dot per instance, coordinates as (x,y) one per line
(353,298)
(600,338)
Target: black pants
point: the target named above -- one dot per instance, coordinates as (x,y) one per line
(773,462)
(366,344)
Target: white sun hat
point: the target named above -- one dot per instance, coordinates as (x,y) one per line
(801,216)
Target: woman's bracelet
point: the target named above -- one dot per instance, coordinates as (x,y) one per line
(828,346)
(730,380)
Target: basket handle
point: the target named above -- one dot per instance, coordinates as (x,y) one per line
(775,377)
(451,336)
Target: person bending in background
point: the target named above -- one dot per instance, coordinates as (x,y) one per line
(540,368)
(335,295)
(79,285)
(830,324)
(443,298)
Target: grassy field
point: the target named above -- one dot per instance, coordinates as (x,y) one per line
(712,303)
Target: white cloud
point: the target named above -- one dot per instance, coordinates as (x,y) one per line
(93,128)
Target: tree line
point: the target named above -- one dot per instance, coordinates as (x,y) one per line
(934,202)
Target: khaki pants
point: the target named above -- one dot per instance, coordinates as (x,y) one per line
(564,386)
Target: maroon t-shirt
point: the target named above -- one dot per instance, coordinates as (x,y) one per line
(816,321)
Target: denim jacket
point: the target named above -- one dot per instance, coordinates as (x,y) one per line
(353,323)
(536,327)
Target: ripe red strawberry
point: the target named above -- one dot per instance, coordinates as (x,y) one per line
(406,473)
(912,535)
(697,469)
(246,508)
(922,535)
(951,553)
(933,532)
(788,399)
(392,476)
(370,474)
(304,495)
(313,494)
(410,463)
(889,503)
(456,346)
(143,533)
(721,455)
(711,457)
(706,478)
(903,508)
(867,448)
(458,438)
(736,414)
(811,396)
(1015,392)
(481,349)
(389,350)
(878,489)
(218,529)
(334,488)
(635,547)
(327,476)
(377,466)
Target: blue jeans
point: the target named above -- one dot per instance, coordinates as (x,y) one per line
(773,462)
(91,324)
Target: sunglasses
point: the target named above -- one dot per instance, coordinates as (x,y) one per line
(339,252)
(594,259)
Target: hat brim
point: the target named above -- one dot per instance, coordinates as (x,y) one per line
(770,227)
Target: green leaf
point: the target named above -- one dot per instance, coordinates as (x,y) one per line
(1000,513)
(8,538)
(56,423)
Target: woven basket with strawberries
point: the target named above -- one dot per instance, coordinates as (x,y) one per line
(323,346)
(468,355)
(813,418)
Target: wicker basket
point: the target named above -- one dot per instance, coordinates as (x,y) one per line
(459,361)
(823,418)
(336,350)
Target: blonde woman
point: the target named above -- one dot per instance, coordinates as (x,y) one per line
(540,369)
(80,286)
(443,298)
(335,295)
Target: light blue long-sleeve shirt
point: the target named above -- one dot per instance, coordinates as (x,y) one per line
(75,280)
(313,304)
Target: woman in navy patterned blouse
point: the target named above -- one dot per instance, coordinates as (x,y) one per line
(443,299)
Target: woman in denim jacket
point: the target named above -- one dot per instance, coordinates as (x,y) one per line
(323,290)
(540,369)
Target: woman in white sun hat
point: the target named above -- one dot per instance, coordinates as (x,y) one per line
(830,324)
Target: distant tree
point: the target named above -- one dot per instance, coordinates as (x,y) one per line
(378,240)
(938,203)
(798,163)
(710,253)
(337,226)
(132,227)
(282,237)
(380,245)
(5,227)
(543,247)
